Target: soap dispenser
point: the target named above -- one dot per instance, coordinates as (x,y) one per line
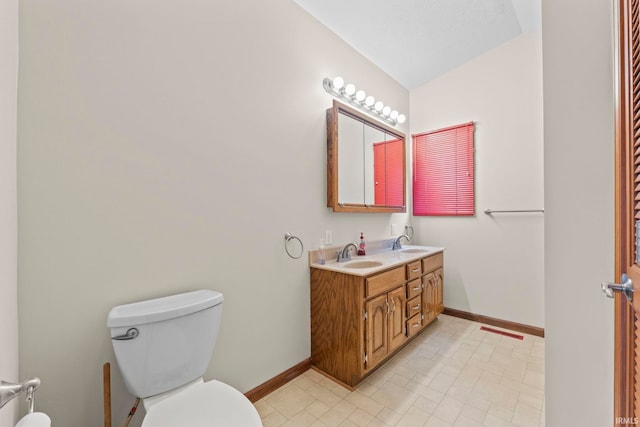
(362,245)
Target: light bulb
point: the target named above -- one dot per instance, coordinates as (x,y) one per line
(360,95)
(369,101)
(338,82)
(350,89)
(379,106)
(386,110)
(401,118)
(393,115)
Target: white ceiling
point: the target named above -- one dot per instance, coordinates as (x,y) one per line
(414,41)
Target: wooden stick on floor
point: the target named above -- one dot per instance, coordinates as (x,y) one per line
(106,380)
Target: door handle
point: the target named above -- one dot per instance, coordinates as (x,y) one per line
(625,287)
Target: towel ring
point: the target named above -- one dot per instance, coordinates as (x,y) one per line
(289,237)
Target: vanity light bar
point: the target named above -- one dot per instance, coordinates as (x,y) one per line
(360,100)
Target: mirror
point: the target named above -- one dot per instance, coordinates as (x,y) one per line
(365,163)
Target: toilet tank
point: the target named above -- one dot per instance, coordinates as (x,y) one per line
(164,343)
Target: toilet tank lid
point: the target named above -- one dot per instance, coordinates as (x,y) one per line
(158,309)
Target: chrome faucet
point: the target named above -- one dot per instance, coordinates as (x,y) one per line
(397,244)
(344,254)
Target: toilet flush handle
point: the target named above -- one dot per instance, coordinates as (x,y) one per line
(129,335)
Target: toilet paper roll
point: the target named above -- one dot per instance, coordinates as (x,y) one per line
(36,419)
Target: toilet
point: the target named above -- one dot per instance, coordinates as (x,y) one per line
(163,347)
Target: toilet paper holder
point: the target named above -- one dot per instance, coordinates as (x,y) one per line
(8,391)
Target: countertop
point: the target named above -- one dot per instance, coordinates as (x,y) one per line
(378,261)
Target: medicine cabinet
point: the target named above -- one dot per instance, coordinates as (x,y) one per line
(366,163)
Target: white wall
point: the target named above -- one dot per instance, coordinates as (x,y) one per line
(579,202)
(494,264)
(8,202)
(164,147)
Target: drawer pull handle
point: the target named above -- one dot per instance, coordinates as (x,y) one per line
(417,307)
(415,325)
(417,288)
(415,270)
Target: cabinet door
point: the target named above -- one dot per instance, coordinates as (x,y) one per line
(397,317)
(439,291)
(428,298)
(376,332)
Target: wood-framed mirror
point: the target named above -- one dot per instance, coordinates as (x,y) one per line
(366,163)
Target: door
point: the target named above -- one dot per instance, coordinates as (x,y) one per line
(438,297)
(428,297)
(627,214)
(376,333)
(397,317)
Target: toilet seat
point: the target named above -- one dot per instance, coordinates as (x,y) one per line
(207,404)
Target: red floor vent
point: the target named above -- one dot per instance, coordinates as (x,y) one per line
(506,334)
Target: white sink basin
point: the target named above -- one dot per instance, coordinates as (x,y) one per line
(414,251)
(362,264)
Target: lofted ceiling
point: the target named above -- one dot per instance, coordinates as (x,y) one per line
(415,41)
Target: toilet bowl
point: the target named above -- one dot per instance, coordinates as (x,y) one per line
(211,403)
(163,347)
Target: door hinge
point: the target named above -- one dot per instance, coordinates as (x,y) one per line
(365,315)
(365,358)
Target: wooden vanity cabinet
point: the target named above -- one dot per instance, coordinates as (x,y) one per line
(357,322)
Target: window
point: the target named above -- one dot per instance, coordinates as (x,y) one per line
(443,171)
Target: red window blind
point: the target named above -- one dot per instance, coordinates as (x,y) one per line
(443,171)
(388,173)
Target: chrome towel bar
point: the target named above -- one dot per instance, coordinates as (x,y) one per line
(489,211)
(9,391)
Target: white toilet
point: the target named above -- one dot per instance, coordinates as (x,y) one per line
(163,347)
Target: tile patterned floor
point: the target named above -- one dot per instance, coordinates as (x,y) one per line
(453,374)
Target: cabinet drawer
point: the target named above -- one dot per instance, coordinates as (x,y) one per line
(384,281)
(432,263)
(414,306)
(414,269)
(414,324)
(414,288)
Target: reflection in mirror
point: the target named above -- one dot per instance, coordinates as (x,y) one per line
(365,163)
(351,161)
